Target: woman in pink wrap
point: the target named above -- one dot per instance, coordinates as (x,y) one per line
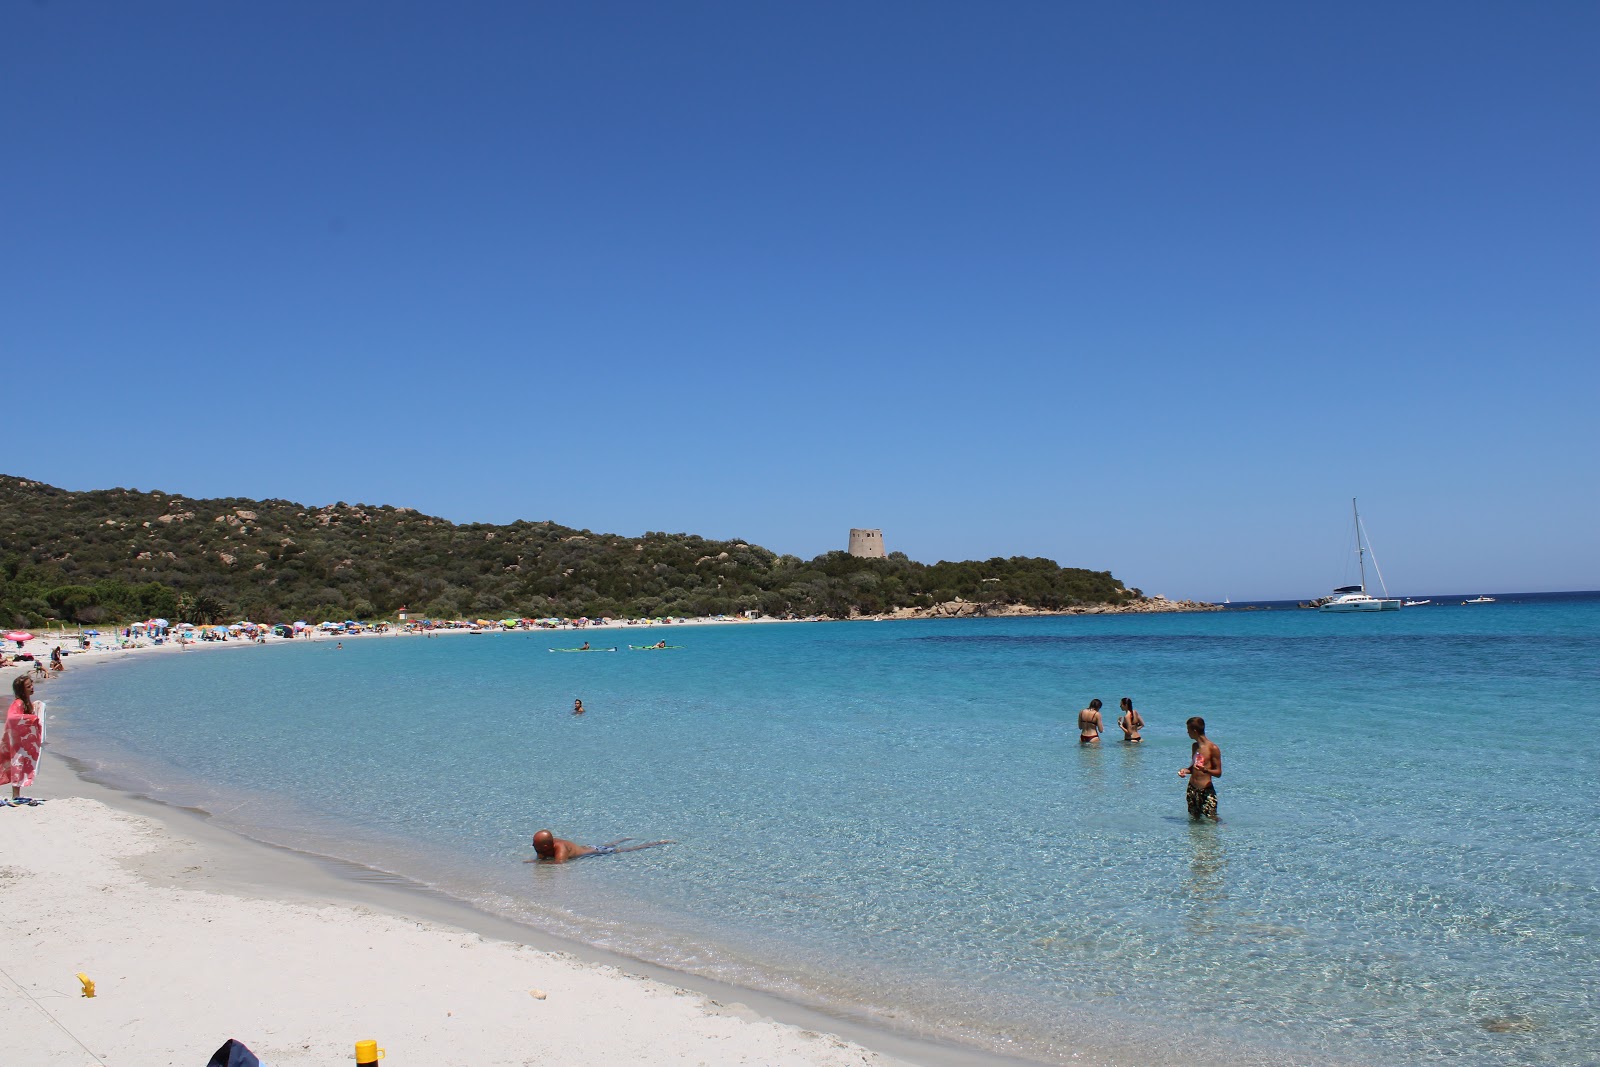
(20,743)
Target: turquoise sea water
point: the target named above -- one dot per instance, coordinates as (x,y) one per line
(894,821)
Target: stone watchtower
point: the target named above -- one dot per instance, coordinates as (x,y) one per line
(868,544)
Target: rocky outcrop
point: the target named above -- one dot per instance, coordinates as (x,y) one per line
(967,609)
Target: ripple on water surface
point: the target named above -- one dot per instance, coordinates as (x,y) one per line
(895,820)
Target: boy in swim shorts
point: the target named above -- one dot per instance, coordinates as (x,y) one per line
(1205,763)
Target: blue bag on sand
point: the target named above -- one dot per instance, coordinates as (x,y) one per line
(233,1054)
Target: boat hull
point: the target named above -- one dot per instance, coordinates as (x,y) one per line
(1364,604)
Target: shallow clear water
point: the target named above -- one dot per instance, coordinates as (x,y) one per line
(894,820)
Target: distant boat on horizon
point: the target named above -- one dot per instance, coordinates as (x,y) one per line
(1416,603)
(1480,600)
(1355,597)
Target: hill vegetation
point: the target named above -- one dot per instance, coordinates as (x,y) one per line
(120,554)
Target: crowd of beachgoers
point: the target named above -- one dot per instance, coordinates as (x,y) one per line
(49,650)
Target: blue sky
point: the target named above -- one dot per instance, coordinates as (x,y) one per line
(1150,288)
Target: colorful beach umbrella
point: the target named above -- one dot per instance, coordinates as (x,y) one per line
(19,636)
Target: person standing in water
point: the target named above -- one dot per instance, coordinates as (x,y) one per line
(1090,725)
(1130,722)
(577,707)
(1205,763)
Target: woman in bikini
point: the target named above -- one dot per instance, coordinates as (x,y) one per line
(1090,725)
(1130,723)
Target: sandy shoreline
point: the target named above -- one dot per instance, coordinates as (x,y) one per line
(194,934)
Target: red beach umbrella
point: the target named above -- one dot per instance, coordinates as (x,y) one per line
(19,636)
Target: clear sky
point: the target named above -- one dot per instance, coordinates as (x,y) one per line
(1153,288)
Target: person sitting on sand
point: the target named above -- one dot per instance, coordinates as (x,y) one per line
(1130,722)
(55,659)
(553,849)
(1205,764)
(577,707)
(1090,725)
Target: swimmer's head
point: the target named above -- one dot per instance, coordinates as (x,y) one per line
(1127,703)
(1197,726)
(544,843)
(1094,705)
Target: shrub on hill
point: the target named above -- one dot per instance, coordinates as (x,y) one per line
(121,554)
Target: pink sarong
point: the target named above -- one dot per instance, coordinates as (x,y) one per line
(19,746)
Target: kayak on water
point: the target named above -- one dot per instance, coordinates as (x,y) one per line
(653,648)
(612,649)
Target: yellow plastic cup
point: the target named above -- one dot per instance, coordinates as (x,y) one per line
(368,1052)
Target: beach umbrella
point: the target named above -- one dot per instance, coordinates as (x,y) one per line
(91,633)
(159,622)
(301,625)
(19,636)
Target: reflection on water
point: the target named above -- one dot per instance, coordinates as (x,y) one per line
(1207,885)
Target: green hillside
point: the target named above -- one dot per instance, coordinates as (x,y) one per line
(121,554)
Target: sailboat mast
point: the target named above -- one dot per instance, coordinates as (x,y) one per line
(1361,552)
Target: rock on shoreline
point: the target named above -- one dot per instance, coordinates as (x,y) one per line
(965,609)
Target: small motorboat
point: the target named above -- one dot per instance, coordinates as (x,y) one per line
(1480,600)
(1417,603)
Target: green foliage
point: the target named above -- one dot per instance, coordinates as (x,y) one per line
(120,554)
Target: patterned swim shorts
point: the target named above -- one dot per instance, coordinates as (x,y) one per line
(1202,802)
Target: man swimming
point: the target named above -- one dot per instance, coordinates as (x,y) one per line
(577,707)
(1205,764)
(553,849)
(1130,722)
(1090,725)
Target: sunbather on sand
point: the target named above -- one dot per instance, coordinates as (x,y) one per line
(553,849)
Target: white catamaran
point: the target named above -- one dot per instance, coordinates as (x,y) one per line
(1355,597)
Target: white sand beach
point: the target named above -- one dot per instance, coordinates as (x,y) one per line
(190,943)
(192,935)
